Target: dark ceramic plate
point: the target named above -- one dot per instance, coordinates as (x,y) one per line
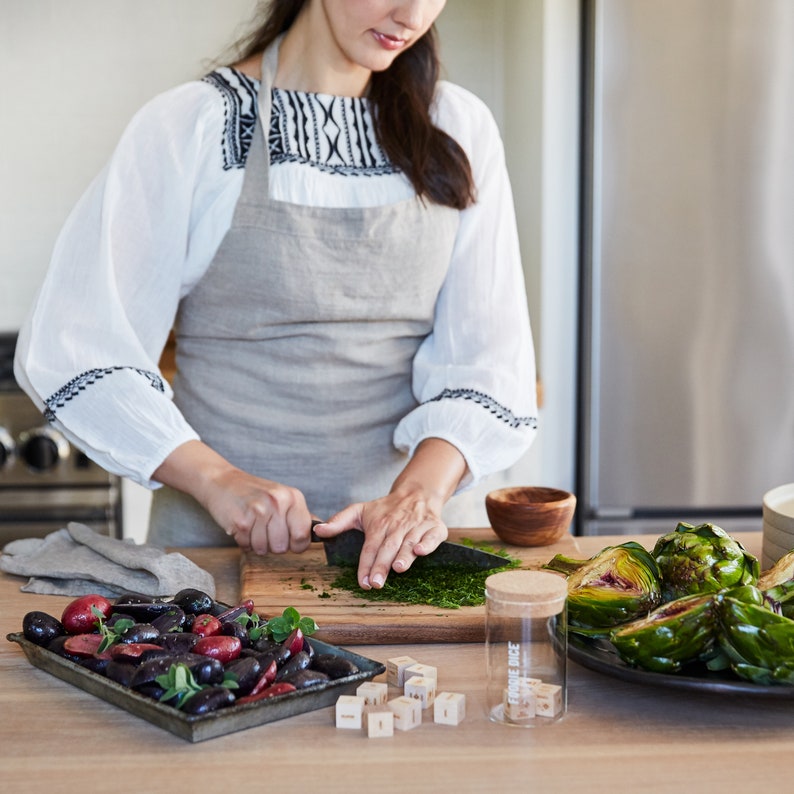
(196,728)
(600,655)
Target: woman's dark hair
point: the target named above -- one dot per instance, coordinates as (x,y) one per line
(400,98)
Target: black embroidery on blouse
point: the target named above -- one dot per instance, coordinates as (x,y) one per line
(497,409)
(330,133)
(78,385)
(333,134)
(239,111)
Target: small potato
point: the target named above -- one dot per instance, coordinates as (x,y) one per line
(334,666)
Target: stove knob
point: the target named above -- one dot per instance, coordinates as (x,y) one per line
(7,448)
(43,448)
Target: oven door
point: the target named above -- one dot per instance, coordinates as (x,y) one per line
(35,512)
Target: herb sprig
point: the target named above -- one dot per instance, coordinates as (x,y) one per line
(180,684)
(110,634)
(277,628)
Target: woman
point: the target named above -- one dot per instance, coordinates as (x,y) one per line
(330,231)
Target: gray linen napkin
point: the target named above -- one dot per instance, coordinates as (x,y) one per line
(77,561)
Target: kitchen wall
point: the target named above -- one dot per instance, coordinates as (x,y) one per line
(76,70)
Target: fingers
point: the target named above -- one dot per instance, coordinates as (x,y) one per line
(435,534)
(349,518)
(395,546)
(277,533)
(262,516)
(382,541)
(270,534)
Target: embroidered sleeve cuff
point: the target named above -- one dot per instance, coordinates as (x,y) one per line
(122,418)
(488,434)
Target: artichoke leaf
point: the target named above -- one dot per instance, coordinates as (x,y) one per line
(758,641)
(565,565)
(781,674)
(756,675)
(780,573)
(719,661)
(747,594)
(777,584)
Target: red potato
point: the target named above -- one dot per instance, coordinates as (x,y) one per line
(220,646)
(294,642)
(276,689)
(85,645)
(243,608)
(79,618)
(132,650)
(265,680)
(206,626)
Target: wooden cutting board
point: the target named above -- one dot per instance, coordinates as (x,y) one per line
(299,580)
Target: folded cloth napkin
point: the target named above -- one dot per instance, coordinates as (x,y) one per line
(77,561)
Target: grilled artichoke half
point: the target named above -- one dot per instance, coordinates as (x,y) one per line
(702,559)
(671,636)
(615,586)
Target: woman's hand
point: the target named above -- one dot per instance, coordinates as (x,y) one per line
(398,528)
(406,523)
(261,515)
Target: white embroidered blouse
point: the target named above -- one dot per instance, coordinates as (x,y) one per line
(149,225)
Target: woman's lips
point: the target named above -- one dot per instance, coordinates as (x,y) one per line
(390,43)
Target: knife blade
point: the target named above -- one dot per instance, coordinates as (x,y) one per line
(345,549)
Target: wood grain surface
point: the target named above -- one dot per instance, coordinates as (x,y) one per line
(617,735)
(304,581)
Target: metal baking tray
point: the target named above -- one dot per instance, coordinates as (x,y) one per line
(198,727)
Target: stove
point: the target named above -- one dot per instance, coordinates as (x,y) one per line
(45,482)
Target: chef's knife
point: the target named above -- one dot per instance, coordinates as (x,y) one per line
(345,549)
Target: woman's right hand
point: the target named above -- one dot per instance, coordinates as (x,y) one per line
(261,515)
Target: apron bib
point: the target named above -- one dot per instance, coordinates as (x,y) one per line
(295,350)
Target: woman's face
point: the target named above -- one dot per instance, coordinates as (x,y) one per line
(372,33)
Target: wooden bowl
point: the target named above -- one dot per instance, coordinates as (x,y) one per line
(530,516)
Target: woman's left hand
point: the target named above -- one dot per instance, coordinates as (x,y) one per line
(406,523)
(397,528)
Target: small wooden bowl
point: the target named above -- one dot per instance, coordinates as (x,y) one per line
(530,516)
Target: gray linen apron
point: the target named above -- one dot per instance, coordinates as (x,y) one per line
(295,350)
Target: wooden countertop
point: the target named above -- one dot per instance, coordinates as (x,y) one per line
(617,736)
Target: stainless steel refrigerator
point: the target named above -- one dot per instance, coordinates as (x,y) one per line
(687,321)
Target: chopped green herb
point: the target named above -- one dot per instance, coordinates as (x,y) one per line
(475,544)
(447,587)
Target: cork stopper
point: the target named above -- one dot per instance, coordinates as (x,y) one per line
(542,593)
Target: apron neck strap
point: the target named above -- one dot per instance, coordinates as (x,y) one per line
(270,63)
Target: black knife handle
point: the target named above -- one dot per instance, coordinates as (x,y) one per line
(315,537)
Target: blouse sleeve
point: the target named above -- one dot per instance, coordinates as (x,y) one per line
(474,375)
(88,352)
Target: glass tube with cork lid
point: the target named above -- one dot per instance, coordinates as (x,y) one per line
(526,647)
